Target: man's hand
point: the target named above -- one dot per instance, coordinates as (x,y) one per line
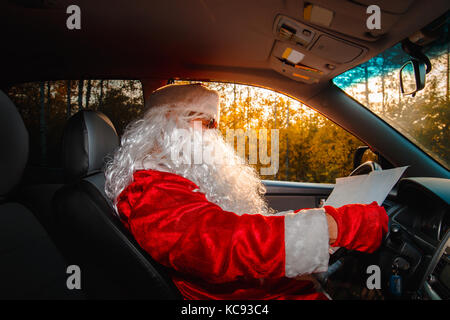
(332,228)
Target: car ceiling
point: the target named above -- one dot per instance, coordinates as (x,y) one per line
(224,40)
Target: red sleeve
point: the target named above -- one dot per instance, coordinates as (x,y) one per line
(181,229)
(361,227)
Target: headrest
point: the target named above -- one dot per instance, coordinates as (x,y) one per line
(13,145)
(89,137)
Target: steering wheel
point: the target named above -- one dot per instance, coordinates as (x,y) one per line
(366,168)
(338,258)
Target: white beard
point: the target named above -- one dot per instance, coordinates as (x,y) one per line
(221,175)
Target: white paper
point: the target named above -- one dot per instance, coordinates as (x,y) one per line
(364,189)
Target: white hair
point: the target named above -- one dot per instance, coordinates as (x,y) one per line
(148,143)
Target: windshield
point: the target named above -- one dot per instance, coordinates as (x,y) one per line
(423,119)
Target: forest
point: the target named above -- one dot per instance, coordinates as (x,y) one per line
(311,148)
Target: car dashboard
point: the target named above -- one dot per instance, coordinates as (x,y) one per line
(415,248)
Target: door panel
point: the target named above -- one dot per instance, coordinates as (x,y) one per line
(284,195)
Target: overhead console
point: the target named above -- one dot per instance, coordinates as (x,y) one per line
(306,54)
(322,35)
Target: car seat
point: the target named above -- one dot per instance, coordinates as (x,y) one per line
(31,266)
(113,265)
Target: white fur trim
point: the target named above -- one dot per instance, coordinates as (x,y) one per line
(283,213)
(193,97)
(306,242)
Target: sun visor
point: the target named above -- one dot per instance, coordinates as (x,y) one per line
(335,50)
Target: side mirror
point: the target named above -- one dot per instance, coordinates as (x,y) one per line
(368,166)
(364,152)
(412,77)
(357,157)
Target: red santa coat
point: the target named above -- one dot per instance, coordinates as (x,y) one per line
(217,254)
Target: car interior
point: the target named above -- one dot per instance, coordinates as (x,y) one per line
(52,218)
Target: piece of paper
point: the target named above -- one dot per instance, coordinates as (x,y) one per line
(364,189)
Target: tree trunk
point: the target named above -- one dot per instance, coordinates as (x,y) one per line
(275,126)
(366,76)
(275,115)
(382,83)
(43,126)
(287,141)
(234,106)
(48,99)
(100,100)
(247,109)
(448,70)
(80,94)
(88,94)
(69,105)
(47,109)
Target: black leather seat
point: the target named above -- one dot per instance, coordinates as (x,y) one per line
(113,265)
(31,267)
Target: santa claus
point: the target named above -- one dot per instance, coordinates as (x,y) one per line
(208,222)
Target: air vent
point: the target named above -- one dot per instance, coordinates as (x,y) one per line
(440,266)
(387,206)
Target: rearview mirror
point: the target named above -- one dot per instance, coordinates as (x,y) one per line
(412,77)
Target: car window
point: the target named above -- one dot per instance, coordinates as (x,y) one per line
(45,107)
(424,119)
(311,147)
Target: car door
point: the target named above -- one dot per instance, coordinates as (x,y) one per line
(287,195)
